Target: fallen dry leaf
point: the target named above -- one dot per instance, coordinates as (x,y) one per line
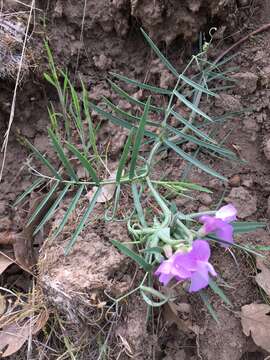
(255,319)
(106,193)
(5,261)
(14,335)
(263,278)
(3,305)
(12,338)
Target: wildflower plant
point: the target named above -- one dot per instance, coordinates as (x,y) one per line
(169,246)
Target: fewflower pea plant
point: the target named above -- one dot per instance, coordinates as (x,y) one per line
(168,243)
(193,263)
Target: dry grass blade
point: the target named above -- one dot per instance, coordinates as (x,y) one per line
(13,105)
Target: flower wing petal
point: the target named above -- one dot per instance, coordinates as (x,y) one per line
(200,250)
(225,233)
(199,279)
(210,223)
(227,213)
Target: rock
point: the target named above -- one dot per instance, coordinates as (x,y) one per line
(243,200)
(235,180)
(205,199)
(2,207)
(102,62)
(251,125)
(215,184)
(167,80)
(265,76)
(248,182)
(247,82)
(266,149)
(228,102)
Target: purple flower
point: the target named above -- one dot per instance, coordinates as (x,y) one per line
(193,265)
(220,223)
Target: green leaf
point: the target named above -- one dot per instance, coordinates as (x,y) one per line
(134,119)
(131,254)
(60,152)
(190,126)
(137,204)
(241,247)
(132,100)
(85,217)
(51,62)
(141,85)
(214,286)
(120,122)
(85,163)
(124,156)
(145,289)
(52,209)
(159,54)
(138,140)
(191,106)
(209,307)
(28,191)
(194,161)
(49,79)
(43,160)
(43,203)
(246,226)
(91,129)
(197,86)
(69,211)
(208,146)
(153,250)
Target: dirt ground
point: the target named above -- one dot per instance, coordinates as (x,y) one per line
(90,39)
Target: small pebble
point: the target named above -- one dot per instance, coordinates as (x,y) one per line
(235,180)
(205,199)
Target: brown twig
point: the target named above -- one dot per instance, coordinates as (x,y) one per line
(241,41)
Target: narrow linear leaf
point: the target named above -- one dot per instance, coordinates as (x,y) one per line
(120,122)
(209,307)
(85,163)
(208,146)
(28,191)
(194,161)
(52,209)
(230,115)
(145,289)
(191,126)
(159,54)
(138,139)
(153,250)
(43,203)
(60,152)
(124,156)
(49,79)
(214,286)
(85,217)
(51,62)
(191,106)
(134,119)
(241,247)
(246,226)
(197,86)
(131,99)
(69,211)
(131,254)
(43,160)
(91,129)
(141,85)
(137,204)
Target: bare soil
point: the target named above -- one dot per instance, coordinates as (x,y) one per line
(78,288)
